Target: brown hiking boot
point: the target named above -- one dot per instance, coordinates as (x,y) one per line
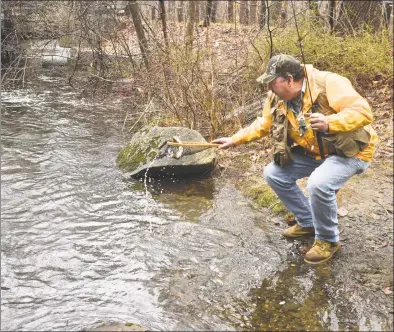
(296,231)
(321,252)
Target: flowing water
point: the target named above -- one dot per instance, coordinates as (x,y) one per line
(82,245)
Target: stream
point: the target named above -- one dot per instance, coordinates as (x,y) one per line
(83,245)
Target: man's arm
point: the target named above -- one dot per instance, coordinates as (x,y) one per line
(353,111)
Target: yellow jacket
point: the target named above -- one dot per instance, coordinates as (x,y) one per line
(344,108)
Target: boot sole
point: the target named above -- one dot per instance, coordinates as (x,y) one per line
(323,260)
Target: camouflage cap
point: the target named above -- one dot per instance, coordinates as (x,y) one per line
(279,65)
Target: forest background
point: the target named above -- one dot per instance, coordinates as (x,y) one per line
(194,63)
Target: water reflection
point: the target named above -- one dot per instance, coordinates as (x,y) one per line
(82,245)
(189,197)
(303,298)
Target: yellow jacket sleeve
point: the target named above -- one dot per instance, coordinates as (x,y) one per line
(259,128)
(353,111)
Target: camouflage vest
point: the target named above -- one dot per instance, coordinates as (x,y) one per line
(280,143)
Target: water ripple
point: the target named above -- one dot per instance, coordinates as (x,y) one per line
(81,245)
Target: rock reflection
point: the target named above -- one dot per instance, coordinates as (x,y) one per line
(189,197)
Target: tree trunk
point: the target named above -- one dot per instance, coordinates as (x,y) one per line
(208,12)
(191,18)
(388,10)
(197,11)
(230,11)
(180,11)
(313,7)
(263,13)
(253,11)
(331,11)
(171,10)
(214,11)
(244,12)
(274,9)
(356,15)
(163,21)
(283,12)
(135,15)
(153,12)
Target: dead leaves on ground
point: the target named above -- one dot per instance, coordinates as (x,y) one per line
(380,98)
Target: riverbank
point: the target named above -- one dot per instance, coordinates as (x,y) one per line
(362,271)
(363,268)
(364,265)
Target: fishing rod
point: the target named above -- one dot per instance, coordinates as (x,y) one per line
(314,105)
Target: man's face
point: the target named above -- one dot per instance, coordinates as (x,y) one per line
(282,87)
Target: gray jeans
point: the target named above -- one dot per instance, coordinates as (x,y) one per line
(320,210)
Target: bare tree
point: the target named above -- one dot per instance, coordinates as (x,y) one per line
(313,7)
(208,13)
(136,17)
(180,11)
(388,11)
(153,12)
(214,11)
(244,12)
(263,13)
(283,12)
(171,9)
(163,19)
(354,15)
(274,8)
(253,11)
(230,11)
(331,12)
(197,16)
(191,18)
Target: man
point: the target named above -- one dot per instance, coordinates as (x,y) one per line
(305,106)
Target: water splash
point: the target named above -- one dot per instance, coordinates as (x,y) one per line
(165,151)
(147,192)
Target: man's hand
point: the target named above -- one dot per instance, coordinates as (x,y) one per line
(318,122)
(225,142)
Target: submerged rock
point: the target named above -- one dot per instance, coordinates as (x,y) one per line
(148,153)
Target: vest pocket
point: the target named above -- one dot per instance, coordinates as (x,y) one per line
(347,144)
(282,154)
(280,150)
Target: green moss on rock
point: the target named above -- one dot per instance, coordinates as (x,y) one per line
(131,157)
(135,155)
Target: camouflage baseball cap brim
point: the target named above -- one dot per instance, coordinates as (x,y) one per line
(279,65)
(266,78)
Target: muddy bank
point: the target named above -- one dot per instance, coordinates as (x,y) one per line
(354,291)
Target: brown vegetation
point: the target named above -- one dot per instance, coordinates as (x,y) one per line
(196,75)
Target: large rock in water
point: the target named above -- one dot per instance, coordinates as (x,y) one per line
(148,153)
